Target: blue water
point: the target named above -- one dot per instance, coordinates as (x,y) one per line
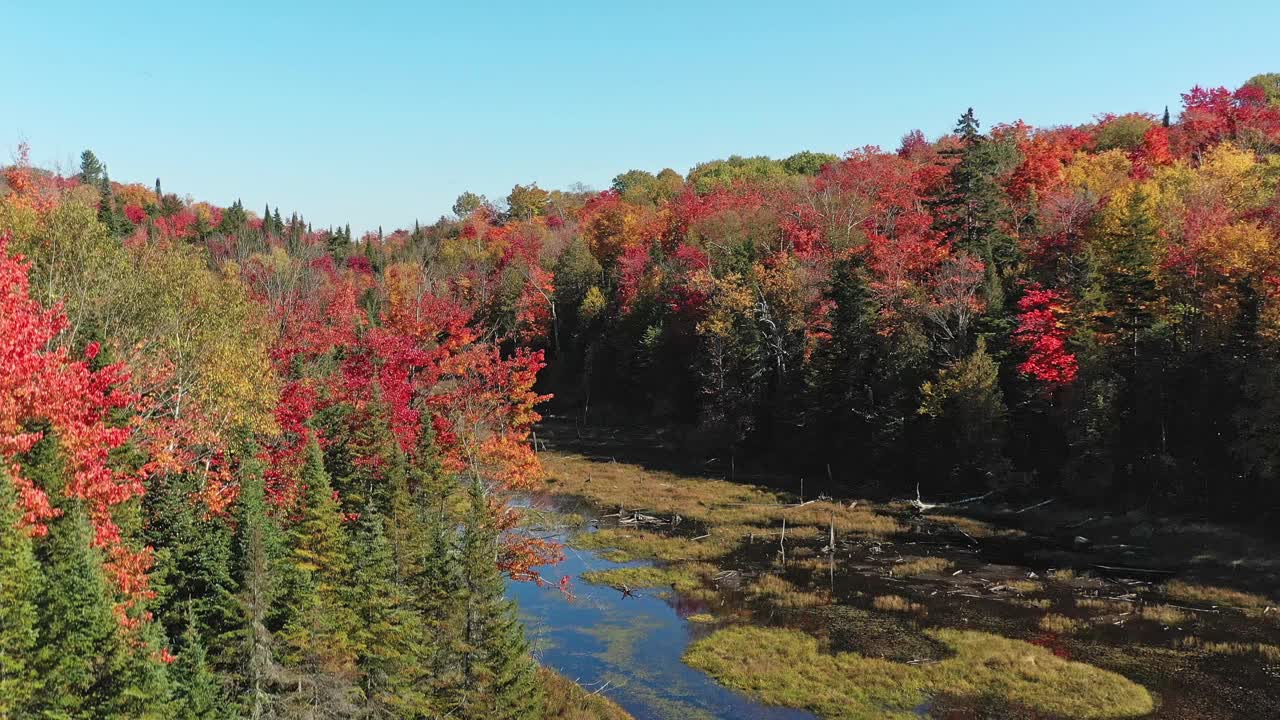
(630,647)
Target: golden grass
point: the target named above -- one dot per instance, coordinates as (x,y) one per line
(683,578)
(1162,614)
(897,603)
(1262,650)
(786,667)
(703,500)
(1213,595)
(974,528)
(566,700)
(1039,603)
(626,545)
(1064,574)
(920,566)
(781,592)
(702,618)
(1103,605)
(1024,586)
(1060,624)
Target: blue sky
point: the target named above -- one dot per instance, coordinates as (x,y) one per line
(379,113)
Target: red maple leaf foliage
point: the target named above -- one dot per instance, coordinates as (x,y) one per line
(43,385)
(1040,332)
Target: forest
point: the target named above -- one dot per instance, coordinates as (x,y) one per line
(258,469)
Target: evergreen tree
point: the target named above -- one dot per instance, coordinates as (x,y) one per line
(19,589)
(91,169)
(974,209)
(435,577)
(1128,284)
(108,214)
(319,638)
(192,574)
(199,692)
(257,552)
(968,404)
(499,678)
(89,671)
(1165,120)
(159,195)
(840,372)
(389,635)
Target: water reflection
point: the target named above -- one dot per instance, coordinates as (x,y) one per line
(630,646)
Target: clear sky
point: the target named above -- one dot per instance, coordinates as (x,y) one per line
(379,113)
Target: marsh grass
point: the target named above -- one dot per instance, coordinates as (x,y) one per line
(703,500)
(702,618)
(567,700)
(920,566)
(780,592)
(1103,606)
(974,528)
(1213,595)
(1261,650)
(1060,624)
(897,603)
(1163,614)
(620,545)
(786,667)
(684,578)
(1024,586)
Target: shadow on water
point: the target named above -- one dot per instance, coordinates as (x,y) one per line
(628,648)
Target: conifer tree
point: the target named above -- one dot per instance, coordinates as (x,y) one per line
(499,678)
(108,213)
(199,692)
(89,671)
(319,638)
(91,169)
(973,209)
(192,574)
(389,634)
(257,549)
(19,588)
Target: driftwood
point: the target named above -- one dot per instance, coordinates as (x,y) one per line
(923,507)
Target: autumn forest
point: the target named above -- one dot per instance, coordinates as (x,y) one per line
(253,468)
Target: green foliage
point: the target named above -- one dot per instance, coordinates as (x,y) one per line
(467,203)
(526,202)
(708,176)
(499,678)
(199,692)
(807,162)
(1125,132)
(967,399)
(19,589)
(91,168)
(1270,85)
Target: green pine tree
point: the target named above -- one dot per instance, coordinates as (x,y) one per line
(199,693)
(192,575)
(88,669)
(257,546)
(319,643)
(389,634)
(19,589)
(499,676)
(91,169)
(974,210)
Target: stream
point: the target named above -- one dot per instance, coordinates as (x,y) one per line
(628,648)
